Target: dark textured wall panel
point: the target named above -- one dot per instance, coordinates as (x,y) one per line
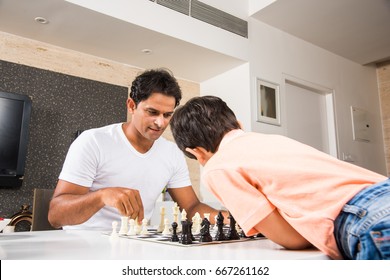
(61,105)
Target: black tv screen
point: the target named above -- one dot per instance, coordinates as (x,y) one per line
(15,111)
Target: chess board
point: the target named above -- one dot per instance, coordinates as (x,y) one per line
(154,236)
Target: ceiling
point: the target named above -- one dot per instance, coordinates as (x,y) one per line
(358,30)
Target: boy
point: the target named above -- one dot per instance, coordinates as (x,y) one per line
(292,193)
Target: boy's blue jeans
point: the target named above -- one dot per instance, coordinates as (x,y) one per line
(362,229)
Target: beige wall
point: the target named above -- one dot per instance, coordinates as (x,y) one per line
(383,72)
(40,55)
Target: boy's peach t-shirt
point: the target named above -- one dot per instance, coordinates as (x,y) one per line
(252,174)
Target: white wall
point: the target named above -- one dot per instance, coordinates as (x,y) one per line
(274,54)
(233,87)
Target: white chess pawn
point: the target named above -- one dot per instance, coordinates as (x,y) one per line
(166,230)
(144,229)
(131,231)
(114,233)
(207,216)
(138,228)
(124,225)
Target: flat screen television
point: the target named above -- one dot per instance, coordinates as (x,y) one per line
(15,111)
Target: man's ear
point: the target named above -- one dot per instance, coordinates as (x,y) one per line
(201,154)
(130,104)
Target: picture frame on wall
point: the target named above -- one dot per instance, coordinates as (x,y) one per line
(268,102)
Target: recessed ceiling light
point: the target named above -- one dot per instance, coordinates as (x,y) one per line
(41,20)
(146,51)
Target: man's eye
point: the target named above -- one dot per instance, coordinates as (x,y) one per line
(153,113)
(168,115)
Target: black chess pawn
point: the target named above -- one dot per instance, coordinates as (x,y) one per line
(220,235)
(174,237)
(232,233)
(205,235)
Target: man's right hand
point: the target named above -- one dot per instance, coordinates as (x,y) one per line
(127,201)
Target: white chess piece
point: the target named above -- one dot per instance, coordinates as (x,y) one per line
(114,233)
(196,221)
(175,211)
(124,225)
(160,228)
(166,227)
(144,229)
(184,215)
(138,228)
(207,216)
(215,228)
(131,231)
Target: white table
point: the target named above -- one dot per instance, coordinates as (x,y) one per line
(92,245)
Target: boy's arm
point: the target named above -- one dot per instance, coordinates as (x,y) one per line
(275,228)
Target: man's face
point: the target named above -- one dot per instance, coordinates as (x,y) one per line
(151,117)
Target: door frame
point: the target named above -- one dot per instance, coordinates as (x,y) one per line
(330,108)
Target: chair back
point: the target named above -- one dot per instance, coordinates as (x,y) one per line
(40,209)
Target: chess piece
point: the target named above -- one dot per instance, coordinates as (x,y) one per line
(186,232)
(220,235)
(114,233)
(205,235)
(196,223)
(175,211)
(174,237)
(144,228)
(215,227)
(166,227)
(131,231)
(184,215)
(160,228)
(124,225)
(138,227)
(232,233)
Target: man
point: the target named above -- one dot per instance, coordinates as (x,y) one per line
(121,169)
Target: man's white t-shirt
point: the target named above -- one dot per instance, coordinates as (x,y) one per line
(103,157)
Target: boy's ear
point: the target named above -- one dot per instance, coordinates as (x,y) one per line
(200,153)
(241,125)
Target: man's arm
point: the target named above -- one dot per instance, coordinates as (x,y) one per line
(187,199)
(73,204)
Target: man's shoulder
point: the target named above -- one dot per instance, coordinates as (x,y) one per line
(103,130)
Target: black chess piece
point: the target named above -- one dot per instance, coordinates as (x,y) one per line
(174,237)
(185,233)
(220,235)
(205,235)
(232,233)
(190,230)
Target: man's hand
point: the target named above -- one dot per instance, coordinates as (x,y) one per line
(127,201)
